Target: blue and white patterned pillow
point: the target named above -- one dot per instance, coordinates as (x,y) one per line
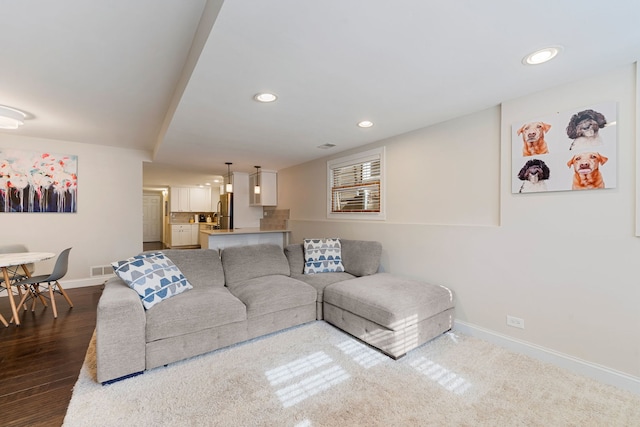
(153,276)
(322,256)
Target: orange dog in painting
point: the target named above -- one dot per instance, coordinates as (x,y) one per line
(533,138)
(586,170)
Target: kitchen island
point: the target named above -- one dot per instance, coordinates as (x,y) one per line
(220,239)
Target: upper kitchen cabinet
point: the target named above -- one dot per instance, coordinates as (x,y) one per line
(200,199)
(179,199)
(268,195)
(190,199)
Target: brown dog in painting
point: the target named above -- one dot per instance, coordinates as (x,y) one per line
(533,138)
(586,170)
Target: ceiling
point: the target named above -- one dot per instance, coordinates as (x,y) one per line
(177,78)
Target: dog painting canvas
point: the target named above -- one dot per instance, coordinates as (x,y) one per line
(533,138)
(565,151)
(534,175)
(584,129)
(586,170)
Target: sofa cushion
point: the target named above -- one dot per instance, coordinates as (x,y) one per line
(202,267)
(243,263)
(153,276)
(321,281)
(389,301)
(194,311)
(361,257)
(322,256)
(269,294)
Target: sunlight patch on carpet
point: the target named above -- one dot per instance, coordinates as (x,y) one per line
(441,375)
(361,354)
(297,368)
(308,386)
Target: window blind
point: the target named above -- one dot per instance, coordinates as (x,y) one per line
(355,187)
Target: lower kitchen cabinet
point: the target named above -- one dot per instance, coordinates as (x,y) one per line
(184,234)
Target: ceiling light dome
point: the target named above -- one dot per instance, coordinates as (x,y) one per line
(541,56)
(265,97)
(10,118)
(365,124)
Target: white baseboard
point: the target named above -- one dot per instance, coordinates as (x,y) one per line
(592,370)
(88,281)
(78,283)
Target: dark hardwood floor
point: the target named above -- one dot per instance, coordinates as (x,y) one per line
(40,360)
(153,246)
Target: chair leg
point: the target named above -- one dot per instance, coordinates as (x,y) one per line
(21,298)
(35,292)
(4,321)
(64,294)
(53,302)
(39,295)
(23,301)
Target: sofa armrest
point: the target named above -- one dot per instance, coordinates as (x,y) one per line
(120,332)
(295,256)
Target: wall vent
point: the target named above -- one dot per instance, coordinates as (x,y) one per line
(101,270)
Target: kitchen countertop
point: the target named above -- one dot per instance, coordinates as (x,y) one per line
(248,230)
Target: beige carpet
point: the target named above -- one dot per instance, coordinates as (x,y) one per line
(315,375)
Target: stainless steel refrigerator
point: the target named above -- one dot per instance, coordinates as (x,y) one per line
(225,211)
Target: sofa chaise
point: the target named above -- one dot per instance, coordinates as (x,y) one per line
(388,312)
(248,291)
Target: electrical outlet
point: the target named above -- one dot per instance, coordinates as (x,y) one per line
(516,322)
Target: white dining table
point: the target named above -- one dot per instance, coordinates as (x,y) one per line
(18,259)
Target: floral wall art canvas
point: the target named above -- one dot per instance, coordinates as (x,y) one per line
(38,182)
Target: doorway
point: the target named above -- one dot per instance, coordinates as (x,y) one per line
(152,217)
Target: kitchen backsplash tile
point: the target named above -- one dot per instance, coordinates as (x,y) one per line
(274,219)
(184,217)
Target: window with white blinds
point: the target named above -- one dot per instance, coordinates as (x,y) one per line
(356,186)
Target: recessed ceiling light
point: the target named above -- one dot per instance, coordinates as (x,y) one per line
(365,124)
(10,118)
(541,56)
(265,97)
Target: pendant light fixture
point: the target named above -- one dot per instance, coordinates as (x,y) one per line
(256,188)
(229,186)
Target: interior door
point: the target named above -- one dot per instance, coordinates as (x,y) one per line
(151,218)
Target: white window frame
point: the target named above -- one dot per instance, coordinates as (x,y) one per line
(374,154)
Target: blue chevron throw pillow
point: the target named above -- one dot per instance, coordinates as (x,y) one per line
(153,276)
(322,256)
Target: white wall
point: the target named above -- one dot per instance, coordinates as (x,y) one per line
(244,216)
(565,262)
(108,223)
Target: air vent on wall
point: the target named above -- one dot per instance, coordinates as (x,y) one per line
(101,270)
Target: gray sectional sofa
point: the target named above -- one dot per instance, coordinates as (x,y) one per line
(249,291)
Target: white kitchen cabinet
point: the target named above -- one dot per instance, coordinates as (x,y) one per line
(195,234)
(179,199)
(184,234)
(268,189)
(190,199)
(199,199)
